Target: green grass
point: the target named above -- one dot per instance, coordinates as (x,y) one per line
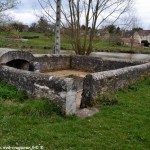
(43,44)
(35,43)
(123,126)
(9,91)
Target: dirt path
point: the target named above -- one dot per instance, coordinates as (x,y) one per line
(64,73)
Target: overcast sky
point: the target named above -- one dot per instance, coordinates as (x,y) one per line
(25,12)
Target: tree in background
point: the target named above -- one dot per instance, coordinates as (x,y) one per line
(134,26)
(17,26)
(42,26)
(114,34)
(91,13)
(33,27)
(4,6)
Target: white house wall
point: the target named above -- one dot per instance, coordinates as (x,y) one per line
(137,37)
(147,38)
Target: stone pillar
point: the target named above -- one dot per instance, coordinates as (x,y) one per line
(57,29)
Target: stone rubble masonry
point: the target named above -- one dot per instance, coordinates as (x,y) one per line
(99,83)
(58,89)
(7,55)
(51,63)
(84,63)
(97,64)
(106,76)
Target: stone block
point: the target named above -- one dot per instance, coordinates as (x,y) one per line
(58,89)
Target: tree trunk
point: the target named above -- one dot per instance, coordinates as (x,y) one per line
(57,30)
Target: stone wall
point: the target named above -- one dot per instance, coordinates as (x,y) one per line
(108,81)
(61,90)
(95,64)
(84,63)
(51,63)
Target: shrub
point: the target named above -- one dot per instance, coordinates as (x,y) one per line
(30,37)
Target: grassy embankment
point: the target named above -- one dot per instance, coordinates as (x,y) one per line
(43,44)
(126,125)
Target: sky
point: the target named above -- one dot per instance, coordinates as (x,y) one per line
(25,12)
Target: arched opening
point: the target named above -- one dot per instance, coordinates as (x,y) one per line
(19,64)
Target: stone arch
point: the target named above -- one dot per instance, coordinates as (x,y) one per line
(16,59)
(19,64)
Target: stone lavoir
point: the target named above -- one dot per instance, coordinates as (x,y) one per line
(100,76)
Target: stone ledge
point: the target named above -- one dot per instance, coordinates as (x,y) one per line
(58,89)
(109,81)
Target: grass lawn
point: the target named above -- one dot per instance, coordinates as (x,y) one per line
(43,44)
(123,126)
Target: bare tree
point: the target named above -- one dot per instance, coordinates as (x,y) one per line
(91,13)
(134,25)
(6,5)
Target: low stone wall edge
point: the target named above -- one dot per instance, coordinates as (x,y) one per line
(109,81)
(39,85)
